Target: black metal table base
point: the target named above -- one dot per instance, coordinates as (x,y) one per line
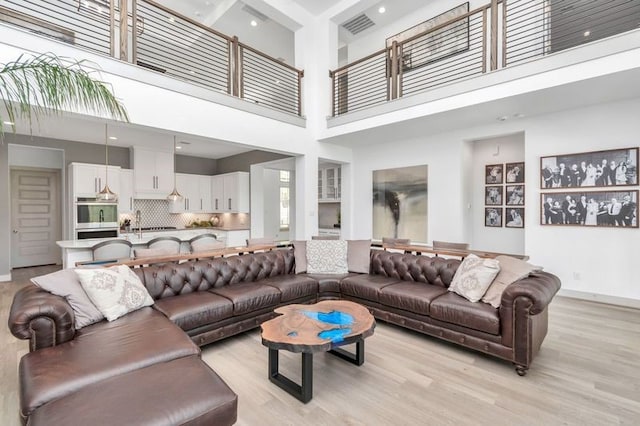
(304,391)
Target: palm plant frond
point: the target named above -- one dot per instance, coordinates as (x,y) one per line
(33,86)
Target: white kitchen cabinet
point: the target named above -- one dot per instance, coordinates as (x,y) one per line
(125,196)
(203,202)
(89,179)
(153,173)
(230,193)
(329,184)
(196,193)
(217,193)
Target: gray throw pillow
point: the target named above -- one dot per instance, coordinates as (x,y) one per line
(359,255)
(65,283)
(300,254)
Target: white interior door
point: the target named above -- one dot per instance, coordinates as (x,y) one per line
(35,218)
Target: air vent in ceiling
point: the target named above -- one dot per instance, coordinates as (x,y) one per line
(251,11)
(358,24)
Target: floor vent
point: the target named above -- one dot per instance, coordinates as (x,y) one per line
(358,24)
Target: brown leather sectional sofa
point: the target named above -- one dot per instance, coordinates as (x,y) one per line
(144,368)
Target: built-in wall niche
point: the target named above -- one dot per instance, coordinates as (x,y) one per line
(498,210)
(328,215)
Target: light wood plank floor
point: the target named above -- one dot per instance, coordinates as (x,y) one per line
(587,373)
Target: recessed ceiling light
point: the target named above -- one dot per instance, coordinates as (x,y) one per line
(382,9)
(254,23)
(8,123)
(587,33)
(113,138)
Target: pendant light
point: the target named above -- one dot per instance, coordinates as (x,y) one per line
(106,195)
(175,195)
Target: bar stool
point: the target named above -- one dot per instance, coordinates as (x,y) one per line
(205,242)
(112,250)
(170,245)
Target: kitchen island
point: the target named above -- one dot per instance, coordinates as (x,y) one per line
(74,251)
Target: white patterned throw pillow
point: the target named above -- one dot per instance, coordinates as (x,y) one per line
(327,257)
(115,291)
(474,276)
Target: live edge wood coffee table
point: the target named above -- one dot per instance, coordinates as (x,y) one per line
(308,329)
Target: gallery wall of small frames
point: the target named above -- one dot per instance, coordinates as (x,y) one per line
(504,195)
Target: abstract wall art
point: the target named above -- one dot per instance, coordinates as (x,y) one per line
(400,203)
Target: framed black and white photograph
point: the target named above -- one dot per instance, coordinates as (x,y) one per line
(442,43)
(590,208)
(493,195)
(515,195)
(614,167)
(514,217)
(514,172)
(493,217)
(493,174)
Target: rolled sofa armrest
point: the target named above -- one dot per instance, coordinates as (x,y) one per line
(43,318)
(539,288)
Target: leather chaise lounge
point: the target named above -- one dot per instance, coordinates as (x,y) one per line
(145,367)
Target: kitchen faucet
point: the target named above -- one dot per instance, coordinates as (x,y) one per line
(139,223)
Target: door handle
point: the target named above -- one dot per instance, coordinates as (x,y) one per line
(15,231)
(229,203)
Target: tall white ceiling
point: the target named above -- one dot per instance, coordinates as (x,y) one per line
(316,7)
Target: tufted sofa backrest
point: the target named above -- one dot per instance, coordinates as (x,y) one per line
(170,279)
(409,267)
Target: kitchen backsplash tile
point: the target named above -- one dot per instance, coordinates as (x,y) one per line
(156,213)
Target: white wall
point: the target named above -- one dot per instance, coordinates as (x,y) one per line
(600,263)
(445,180)
(271,207)
(601,260)
(499,150)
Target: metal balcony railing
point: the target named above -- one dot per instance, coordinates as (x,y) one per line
(157,38)
(493,36)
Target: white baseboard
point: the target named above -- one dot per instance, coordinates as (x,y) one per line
(4,278)
(600,298)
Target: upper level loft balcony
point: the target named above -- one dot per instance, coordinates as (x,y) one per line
(152,36)
(456,50)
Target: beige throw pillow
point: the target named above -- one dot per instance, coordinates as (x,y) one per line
(358,256)
(65,283)
(474,276)
(327,257)
(511,270)
(300,254)
(115,291)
